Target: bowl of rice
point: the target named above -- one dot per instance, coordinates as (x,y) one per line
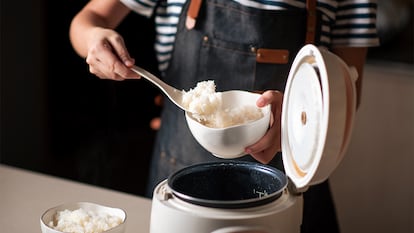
(225,123)
(83,217)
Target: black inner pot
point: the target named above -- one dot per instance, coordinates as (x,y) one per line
(232,184)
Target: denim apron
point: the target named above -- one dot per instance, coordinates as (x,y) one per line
(239,48)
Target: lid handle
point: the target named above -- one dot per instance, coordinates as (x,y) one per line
(353,72)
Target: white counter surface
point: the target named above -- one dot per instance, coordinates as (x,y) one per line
(25,195)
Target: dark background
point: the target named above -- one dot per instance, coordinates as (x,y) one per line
(58,119)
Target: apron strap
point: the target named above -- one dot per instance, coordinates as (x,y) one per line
(310,21)
(192,13)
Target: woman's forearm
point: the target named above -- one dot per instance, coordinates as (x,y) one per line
(96,14)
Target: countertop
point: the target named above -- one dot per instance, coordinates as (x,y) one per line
(25,195)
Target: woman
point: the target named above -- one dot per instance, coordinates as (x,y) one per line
(228,41)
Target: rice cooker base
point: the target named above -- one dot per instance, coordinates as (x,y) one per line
(171,214)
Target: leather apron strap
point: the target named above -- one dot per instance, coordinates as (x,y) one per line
(310,21)
(192,13)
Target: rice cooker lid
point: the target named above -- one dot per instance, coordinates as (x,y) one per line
(318,110)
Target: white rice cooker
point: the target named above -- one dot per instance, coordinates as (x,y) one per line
(242,197)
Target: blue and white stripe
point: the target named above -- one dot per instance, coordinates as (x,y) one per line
(344,22)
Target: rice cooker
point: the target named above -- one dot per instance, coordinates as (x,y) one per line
(245,197)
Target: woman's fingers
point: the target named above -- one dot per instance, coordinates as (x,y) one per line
(108,57)
(266,148)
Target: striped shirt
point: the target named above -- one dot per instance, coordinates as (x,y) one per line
(344,22)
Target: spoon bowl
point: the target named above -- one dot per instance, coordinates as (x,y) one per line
(172,93)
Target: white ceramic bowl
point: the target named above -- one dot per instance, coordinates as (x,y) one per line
(230,142)
(49,215)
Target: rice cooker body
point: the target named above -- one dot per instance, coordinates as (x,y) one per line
(171,214)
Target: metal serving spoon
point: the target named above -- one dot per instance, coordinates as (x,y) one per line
(172,93)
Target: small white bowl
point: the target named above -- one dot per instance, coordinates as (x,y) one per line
(50,214)
(230,142)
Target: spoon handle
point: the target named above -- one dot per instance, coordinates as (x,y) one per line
(172,93)
(150,77)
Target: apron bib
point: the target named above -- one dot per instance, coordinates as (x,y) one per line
(239,48)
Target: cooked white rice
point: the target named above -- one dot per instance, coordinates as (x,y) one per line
(206,105)
(82,221)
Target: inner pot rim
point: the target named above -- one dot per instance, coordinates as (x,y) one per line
(230,204)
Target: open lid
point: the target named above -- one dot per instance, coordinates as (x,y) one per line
(317,116)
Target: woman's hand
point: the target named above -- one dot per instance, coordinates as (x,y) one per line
(93,36)
(108,57)
(265,149)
